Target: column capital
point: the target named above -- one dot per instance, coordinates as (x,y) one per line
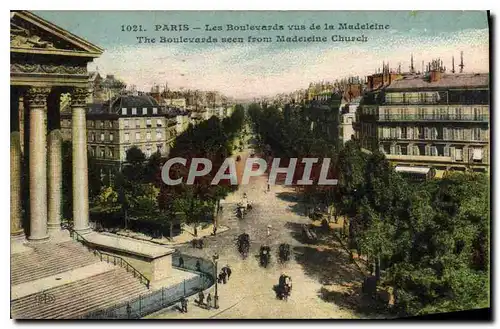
(79,97)
(37,97)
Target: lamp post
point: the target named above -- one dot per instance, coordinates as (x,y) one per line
(215,257)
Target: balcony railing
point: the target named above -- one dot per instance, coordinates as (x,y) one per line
(432,117)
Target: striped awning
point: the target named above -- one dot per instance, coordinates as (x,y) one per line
(413,170)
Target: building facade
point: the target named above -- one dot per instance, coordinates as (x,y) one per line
(129,121)
(434,120)
(348,119)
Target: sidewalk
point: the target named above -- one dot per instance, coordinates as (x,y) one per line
(186,236)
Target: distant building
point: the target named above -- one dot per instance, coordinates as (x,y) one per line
(176,102)
(433,121)
(113,128)
(347,119)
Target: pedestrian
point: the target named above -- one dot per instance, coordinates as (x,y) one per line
(184,305)
(181,262)
(201,297)
(268,187)
(129,310)
(228,271)
(198,266)
(215,230)
(224,277)
(209,301)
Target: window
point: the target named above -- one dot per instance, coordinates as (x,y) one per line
(458,134)
(158,122)
(111,152)
(137,123)
(349,120)
(410,132)
(158,135)
(110,124)
(103,154)
(386,132)
(102,124)
(446,151)
(398,149)
(477,154)
(148,136)
(393,133)
(398,132)
(476,134)
(434,151)
(127,137)
(434,133)
(124,111)
(102,137)
(458,154)
(134,111)
(446,133)
(148,123)
(144,111)
(92,151)
(111,137)
(137,136)
(126,123)
(155,110)
(92,137)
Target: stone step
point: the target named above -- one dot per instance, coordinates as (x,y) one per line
(49,259)
(78,298)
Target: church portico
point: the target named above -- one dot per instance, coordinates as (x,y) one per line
(46,62)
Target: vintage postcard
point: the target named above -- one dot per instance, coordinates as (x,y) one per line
(249,164)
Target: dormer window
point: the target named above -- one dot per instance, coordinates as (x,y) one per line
(134,111)
(155,110)
(144,111)
(124,111)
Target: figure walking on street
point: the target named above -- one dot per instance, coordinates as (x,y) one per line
(209,301)
(181,262)
(228,271)
(198,266)
(201,297)
(184,303)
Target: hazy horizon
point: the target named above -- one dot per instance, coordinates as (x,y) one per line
(249,70)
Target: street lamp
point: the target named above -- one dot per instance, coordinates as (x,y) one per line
(215,257)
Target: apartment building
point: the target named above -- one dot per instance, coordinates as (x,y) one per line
(434,120)
(128,121)
(348,119)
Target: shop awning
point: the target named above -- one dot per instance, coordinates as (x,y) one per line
(413,170)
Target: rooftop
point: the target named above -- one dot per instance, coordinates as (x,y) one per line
(129,101)
(446,81)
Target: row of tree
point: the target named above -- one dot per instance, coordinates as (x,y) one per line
(427,240)
(138,190)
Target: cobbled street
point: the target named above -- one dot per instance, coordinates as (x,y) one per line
(249,292)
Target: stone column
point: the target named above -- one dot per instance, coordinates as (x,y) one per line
(16,230)
(55,180)
(37,101)
(80,167)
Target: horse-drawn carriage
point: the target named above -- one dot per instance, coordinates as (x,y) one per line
(265,255)
(284,287)
(309,234)
(284,252)
(243,244)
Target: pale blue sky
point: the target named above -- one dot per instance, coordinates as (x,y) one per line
(263,69)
